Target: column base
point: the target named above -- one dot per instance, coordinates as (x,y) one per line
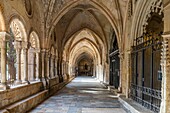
(119,89)
(32,80)
(4,87)
(45,82)
(37,79)
(25,82)
(18,82)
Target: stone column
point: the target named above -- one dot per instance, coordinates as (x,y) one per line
(17,45)
(47,65)
(56,72)
(37,66)
(53,60)
(25,55)
(165,61)
(3,36)
(33,67)
(63,67)
(25,78)
(165,67)
(121,71)
(43,63)
(66,67)
(60,69)
(52,66)
(128,69)
(31,64)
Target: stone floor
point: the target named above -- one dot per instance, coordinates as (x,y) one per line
(82,95)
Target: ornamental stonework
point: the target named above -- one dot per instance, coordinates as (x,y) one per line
(28,7)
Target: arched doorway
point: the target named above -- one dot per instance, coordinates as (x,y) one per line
(85,67)
(146,68)
(114,64)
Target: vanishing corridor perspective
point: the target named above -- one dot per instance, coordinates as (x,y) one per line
(84,56)
(82,95)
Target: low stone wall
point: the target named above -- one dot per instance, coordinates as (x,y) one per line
(65,77)
(53,81)
(24,98)
(27,104)
(13,95)
(53,85)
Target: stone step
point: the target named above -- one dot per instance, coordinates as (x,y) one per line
(133,106)
(26,104)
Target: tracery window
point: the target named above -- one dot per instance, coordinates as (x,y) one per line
(16,31)
(33,41)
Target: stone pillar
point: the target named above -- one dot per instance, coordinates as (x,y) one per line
(128,70)
(165,61)
(165,67)
(3,36)
(52,66)
(43,63)
(37,66)
(56,72)
(66,67)
(17,45)
(31,64)
(47,65)
(25,78)
(33,67)
(62,67)
(121,71)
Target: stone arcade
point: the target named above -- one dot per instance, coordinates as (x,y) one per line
(123,44)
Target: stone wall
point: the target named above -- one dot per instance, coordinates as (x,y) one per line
(23,98)
(53,85)
(11,96)
(27,104)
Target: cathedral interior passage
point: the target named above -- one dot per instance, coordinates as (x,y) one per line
(84,56)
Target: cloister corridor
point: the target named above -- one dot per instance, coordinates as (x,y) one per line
(85,56)
(82,95)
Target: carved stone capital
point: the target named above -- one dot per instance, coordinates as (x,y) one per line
(37,50)
(4,36)
(32,50)
(25,50)
(24,44)
(53,57)
(17,45)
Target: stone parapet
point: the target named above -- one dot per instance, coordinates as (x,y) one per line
(13,95)
(26,104)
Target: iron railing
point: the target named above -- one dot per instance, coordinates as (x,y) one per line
(153,100)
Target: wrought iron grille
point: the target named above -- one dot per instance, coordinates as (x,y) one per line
(145,71)
(138,93)
(148,40)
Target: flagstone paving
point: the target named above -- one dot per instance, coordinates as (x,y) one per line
(82,95)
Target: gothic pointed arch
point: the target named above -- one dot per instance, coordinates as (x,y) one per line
(146,56)
(116,25)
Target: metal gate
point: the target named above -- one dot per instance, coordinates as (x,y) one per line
(146,71)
